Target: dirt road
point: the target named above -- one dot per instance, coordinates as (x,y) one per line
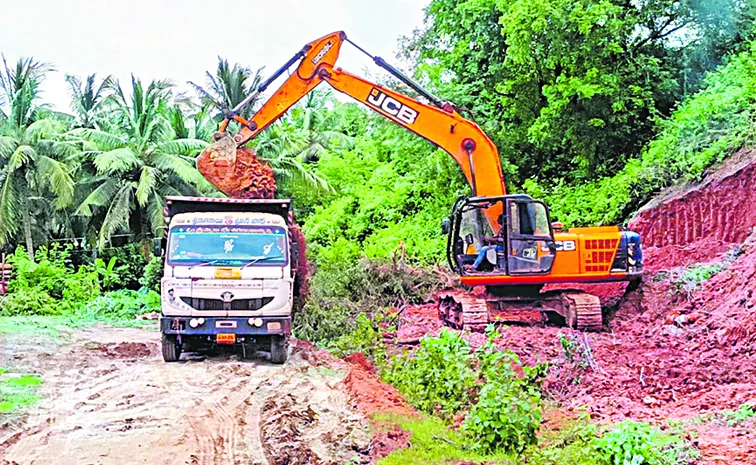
(109,399)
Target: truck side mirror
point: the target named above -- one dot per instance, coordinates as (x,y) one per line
(157,245)
(445,226)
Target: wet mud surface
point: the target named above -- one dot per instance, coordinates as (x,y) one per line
(108,398)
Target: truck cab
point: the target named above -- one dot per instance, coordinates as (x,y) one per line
(228,276)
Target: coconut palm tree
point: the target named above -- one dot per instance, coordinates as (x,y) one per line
(88,99)
(228,87)
(301,137)
(132,170)
(35,160)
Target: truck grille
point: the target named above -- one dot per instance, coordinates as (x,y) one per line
(218,304)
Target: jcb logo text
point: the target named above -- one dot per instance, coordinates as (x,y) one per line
(392,106)
(316,59)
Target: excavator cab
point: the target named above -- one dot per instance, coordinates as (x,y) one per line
(520,242)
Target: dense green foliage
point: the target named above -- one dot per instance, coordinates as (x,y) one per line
(51,285)
(705,129)
(445,377)
(569,88)
(439,378)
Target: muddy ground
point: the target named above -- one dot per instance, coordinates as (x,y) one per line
(108,398)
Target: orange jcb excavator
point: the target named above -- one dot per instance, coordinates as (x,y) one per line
(503,244)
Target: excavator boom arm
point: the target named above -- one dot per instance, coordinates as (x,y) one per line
(473,151)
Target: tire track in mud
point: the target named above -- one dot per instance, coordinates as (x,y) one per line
(108,410)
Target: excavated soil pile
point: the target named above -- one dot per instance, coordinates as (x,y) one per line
(698,222)
(246,177)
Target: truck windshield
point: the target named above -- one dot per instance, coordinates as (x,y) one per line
(227,245)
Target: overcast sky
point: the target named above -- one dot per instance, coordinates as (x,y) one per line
(181,39)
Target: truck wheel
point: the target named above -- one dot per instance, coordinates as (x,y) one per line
(171,349)
(279,349)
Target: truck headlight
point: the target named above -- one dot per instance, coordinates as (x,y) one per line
(194,323)
(256,322)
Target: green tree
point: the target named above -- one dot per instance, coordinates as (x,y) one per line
(228,87)
(34,157)
(133,169)
(88,99)
(568,88)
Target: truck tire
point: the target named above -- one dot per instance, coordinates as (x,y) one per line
(279,349)
(171,349)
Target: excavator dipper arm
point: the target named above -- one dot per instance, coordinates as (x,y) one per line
(439,123)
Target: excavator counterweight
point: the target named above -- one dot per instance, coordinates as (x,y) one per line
(505,244)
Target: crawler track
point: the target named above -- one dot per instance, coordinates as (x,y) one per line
(469,312)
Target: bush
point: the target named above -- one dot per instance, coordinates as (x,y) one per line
(507,415)
(439,378)
(129,266)
(345,285)
(366,338)
(122,304)
(48,285)
(637,443)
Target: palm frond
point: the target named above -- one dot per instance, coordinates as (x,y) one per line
(117,161)
(57,176)
(146,185)
(182,147)
(23,155)
(180,167)
(117,217)
(10,207)
(155,215)
(7,146)
(104,140)
(99,197)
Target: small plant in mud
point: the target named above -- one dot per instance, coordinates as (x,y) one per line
(741,414)
(576,349)
(639,443)
(439,378)
(688,279)
(735,417)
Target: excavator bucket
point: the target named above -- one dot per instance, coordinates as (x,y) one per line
(238,173)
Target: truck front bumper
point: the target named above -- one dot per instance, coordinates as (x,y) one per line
(219,325)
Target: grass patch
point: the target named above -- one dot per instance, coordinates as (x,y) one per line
(434,443)
(17,392)
(735,417)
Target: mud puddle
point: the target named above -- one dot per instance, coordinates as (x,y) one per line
(108,398)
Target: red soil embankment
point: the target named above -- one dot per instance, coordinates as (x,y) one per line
(697,223)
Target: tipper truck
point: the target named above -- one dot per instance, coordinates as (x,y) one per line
(229,276)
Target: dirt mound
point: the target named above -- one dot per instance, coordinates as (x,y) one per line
(123,349)
(371,394)
(698,222)
(244,177)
